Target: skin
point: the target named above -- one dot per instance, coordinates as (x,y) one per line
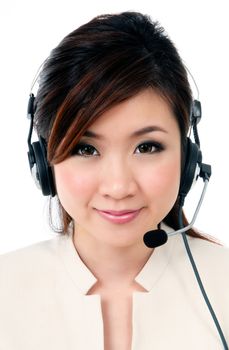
(116,175)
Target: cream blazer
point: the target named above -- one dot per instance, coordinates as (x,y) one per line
(44,303)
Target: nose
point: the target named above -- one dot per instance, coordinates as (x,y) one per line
(117,180)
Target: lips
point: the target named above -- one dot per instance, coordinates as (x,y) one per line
(118,213)
(119,217)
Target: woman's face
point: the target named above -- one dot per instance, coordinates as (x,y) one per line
(132,164)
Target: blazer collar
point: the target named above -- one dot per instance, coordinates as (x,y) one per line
(83,278)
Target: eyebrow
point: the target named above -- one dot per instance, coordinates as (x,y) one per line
(136,133)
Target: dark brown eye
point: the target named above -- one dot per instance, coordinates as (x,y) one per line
(150,147)
(84,150)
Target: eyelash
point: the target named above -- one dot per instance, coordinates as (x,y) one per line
(158,146)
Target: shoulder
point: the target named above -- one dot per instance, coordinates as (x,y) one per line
(209,252)
(211,256)
(22,265)
(35,250)
(211,259)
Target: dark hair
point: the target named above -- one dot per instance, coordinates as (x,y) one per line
(102,63)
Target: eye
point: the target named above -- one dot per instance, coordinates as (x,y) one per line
(150,147)
(84,150)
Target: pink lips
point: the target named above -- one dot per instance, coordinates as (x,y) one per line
(119,217)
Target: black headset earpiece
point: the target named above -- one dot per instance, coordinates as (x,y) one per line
(193,155)
(192,167)
(37,155)
(41,171)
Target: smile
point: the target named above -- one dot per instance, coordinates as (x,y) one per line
(119,217)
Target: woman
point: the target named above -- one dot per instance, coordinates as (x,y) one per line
(113,112)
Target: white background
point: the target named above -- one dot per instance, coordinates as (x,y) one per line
(30,29)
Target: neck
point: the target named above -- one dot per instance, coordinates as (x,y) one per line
(111,265)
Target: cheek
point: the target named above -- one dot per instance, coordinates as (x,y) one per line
(72,186)
(162,182)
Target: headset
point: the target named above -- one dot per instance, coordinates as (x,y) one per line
(193,168)
(43,174)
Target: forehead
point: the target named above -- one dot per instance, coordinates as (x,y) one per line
(147,110)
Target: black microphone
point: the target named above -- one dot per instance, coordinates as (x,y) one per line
(156,238)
